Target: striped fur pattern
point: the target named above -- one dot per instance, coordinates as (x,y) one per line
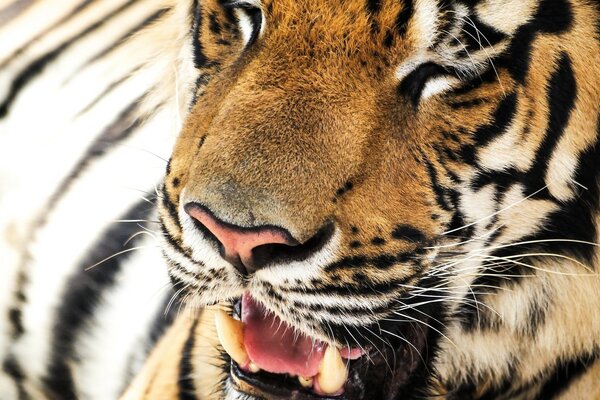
(446,151)
(83,288)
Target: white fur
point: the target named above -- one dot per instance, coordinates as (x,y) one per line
(141,285)
(438,85)
(425,22)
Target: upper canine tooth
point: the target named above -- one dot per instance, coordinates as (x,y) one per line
(333,372)
(231,335)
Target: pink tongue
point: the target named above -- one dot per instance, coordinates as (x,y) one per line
(274,346)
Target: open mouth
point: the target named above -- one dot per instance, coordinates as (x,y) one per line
(271,355)
(272,360)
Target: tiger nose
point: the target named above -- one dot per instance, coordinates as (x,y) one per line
(240,245)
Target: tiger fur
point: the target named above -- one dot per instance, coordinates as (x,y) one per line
(446,154)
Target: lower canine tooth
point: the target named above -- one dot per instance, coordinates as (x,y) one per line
(333,372)
(253,368)
(231,335)
(306,382)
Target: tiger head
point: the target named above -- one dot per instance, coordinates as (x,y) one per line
(350,172)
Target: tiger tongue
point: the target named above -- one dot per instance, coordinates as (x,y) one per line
(274,346)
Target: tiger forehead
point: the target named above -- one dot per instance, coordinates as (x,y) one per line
(350,25)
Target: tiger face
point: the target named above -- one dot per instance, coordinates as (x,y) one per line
(348,169)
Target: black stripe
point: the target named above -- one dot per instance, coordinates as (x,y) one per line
(359,288)
(373,6)
(503,179)
(15,316)
(108,89)
(404,16)
(170,207)
(181,288)
(201,81)
(12,368)
(502,118)
(479,34)
(187,389)
(255,15)
(70,15)
(16,320)
(116,44)
(164,319)
(575,219)
(564,374)
(409,233)
(518,56)
(562,91)
(413,84)
(120,129)
(82,294)
(214,24)
(381,262)
(439,191)
(175,244)
(37,67)
(552,17)
(200,59)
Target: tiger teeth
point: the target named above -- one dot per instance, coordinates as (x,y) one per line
(333,372)
(231,335)
(253,368)
(306,382)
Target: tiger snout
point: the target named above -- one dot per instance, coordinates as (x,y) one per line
(250,248)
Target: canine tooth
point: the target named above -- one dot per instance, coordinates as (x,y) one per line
(333,372)
(231,335)
(306,382)
(253,368)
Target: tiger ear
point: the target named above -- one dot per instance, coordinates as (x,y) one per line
(185,360)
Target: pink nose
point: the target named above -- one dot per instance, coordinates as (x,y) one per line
(237,244)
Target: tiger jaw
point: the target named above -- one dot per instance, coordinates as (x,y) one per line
(261,341)
(271,360)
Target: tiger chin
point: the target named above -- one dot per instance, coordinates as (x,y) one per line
(391,199)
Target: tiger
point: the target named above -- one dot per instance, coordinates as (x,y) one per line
(299,199)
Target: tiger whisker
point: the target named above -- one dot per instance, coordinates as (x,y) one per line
(461,301)
(544,269)
(406,341)
(426,324)
(137,234)
(385,342)
(468,20)
(541,241)
(464,48)
(174,297)
(362,349)
(118,254)
(498,212)
(126,221)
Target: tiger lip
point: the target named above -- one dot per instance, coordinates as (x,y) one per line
(262,342)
